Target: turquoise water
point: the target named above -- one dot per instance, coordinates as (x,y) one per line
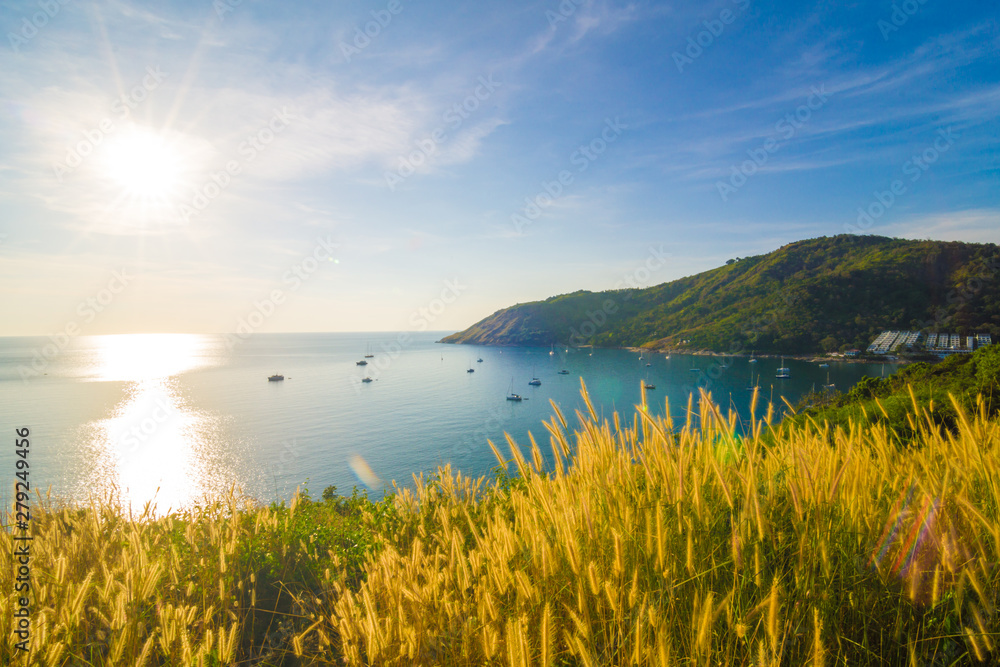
(173,417)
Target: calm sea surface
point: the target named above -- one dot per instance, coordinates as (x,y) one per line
(173,417)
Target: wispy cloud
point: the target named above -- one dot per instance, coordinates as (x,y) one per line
(971,225)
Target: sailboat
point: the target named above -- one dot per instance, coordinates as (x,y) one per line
(368,352)
(535,382)
(829,385)
(552,352)
(361,363)
(646,383)
(511,396)
(753,359)
(471,369)
(751,386)
(784,372)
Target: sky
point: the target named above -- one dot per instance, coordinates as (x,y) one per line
(236,165)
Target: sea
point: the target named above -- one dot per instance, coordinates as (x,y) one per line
(169,420)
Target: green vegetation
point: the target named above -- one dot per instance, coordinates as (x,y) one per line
(225,583)
(960,382)
(634,541)
(812,296)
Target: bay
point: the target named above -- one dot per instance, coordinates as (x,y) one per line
(171,418)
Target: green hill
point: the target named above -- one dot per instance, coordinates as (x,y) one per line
(969,382)
(817,295)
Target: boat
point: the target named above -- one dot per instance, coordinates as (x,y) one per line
(471,370)
(479,361)
(751,386)
(535,382)
(783,372)
(695,370)
(753,360)
(366,379)
(824,365)
(564,372)
(552,352)
(511,396)
(829,385)
(648,365)
(368,352)
(649,386)
(275,378)
(361,363)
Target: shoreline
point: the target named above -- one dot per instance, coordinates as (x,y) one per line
(815,357)
(819,357)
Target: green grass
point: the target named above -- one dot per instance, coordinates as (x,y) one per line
(642,542)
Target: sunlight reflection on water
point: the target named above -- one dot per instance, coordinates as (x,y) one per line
(154,447)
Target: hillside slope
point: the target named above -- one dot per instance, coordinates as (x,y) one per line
(815,295)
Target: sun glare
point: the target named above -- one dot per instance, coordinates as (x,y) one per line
(145,164)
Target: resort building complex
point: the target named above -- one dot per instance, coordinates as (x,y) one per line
(935,343)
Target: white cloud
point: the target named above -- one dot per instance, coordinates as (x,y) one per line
(971,226)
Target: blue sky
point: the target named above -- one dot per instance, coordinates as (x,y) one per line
(243,157)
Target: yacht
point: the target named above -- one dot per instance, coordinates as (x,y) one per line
(275,378)
(829,385)
(564,372)
(511,396)
(366,379)
(361,363)
(783,372)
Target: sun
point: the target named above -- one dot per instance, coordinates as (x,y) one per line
(144,163)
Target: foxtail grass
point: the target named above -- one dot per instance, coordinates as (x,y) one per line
(629,541)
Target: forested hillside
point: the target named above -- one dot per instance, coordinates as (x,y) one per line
(818,295)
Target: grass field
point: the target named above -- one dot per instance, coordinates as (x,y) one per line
(635,541)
